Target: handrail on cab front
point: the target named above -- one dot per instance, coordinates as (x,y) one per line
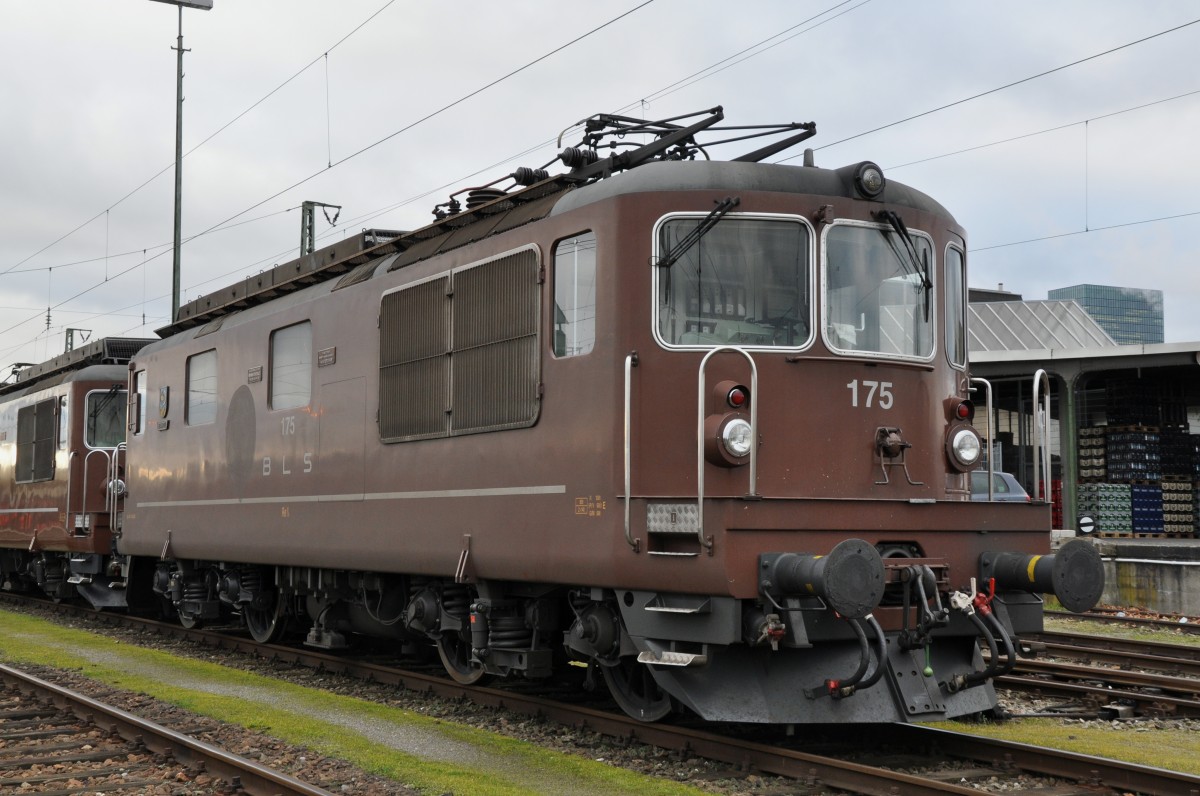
(706,541)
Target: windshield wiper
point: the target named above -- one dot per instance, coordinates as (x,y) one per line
(699,231)
(918,266)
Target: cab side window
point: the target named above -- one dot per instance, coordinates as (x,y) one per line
(139,396)
(64,426)
(956,321)
(575,295)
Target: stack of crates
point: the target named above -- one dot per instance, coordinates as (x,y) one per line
(1196,514)
(1109,505)
(1056,500)
(1196,475)
(1147,503)
(1179,516)
(1133,402)
(1133,454)
(1177,451)
(1091,454)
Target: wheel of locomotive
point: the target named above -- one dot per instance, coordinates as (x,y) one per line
(266,625)
(189,621)
(634,688)
(455,652)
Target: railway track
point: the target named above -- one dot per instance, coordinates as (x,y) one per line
(1111,678)
(1172,659)
(1110,693)
(957,759)
(1111,618)
(58,741)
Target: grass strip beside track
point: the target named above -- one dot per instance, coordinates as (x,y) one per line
(1131,632)
(1144,743)
(428,754)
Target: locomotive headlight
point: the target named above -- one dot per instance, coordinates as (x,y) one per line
(868,178)
(965,447)
(736,437)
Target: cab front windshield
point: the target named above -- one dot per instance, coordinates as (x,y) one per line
(744,282)
(878,291)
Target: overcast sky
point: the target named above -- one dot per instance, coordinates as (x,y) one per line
(88,102)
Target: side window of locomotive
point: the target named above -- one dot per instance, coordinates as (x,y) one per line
(956,320)
(36,426)
(878,291)
(201,406)
(105,418)
(743,282)
(64,426)
(575,295)
(139,396)
(291,366)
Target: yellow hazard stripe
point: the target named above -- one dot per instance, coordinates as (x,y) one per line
(1032,563)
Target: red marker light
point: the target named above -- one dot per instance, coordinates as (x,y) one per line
(965,410)
(738,397)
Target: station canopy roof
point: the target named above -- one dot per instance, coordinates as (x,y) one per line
(1033,326)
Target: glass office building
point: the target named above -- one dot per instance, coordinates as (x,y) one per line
(1130,315)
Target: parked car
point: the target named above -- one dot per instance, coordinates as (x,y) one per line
(1005,487)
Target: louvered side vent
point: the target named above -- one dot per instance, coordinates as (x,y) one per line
(35,441)
(43,455)
(414,367)
(496,310)
(120,350)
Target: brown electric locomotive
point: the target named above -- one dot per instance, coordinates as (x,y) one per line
(702,426)
(62,440)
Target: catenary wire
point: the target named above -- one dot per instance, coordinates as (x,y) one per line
(220,130)
(1014,83)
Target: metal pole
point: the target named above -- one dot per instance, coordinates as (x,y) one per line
(178,170)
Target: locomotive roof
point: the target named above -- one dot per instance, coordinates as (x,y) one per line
(105,351)
(734,176)
(666,163)
(99,373)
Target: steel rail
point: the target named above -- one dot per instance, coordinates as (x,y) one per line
(1155,704)
(252,777)
(1186,687)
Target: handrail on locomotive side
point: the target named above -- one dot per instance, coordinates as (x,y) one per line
(1041,437)
(631,361)
(991,460)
